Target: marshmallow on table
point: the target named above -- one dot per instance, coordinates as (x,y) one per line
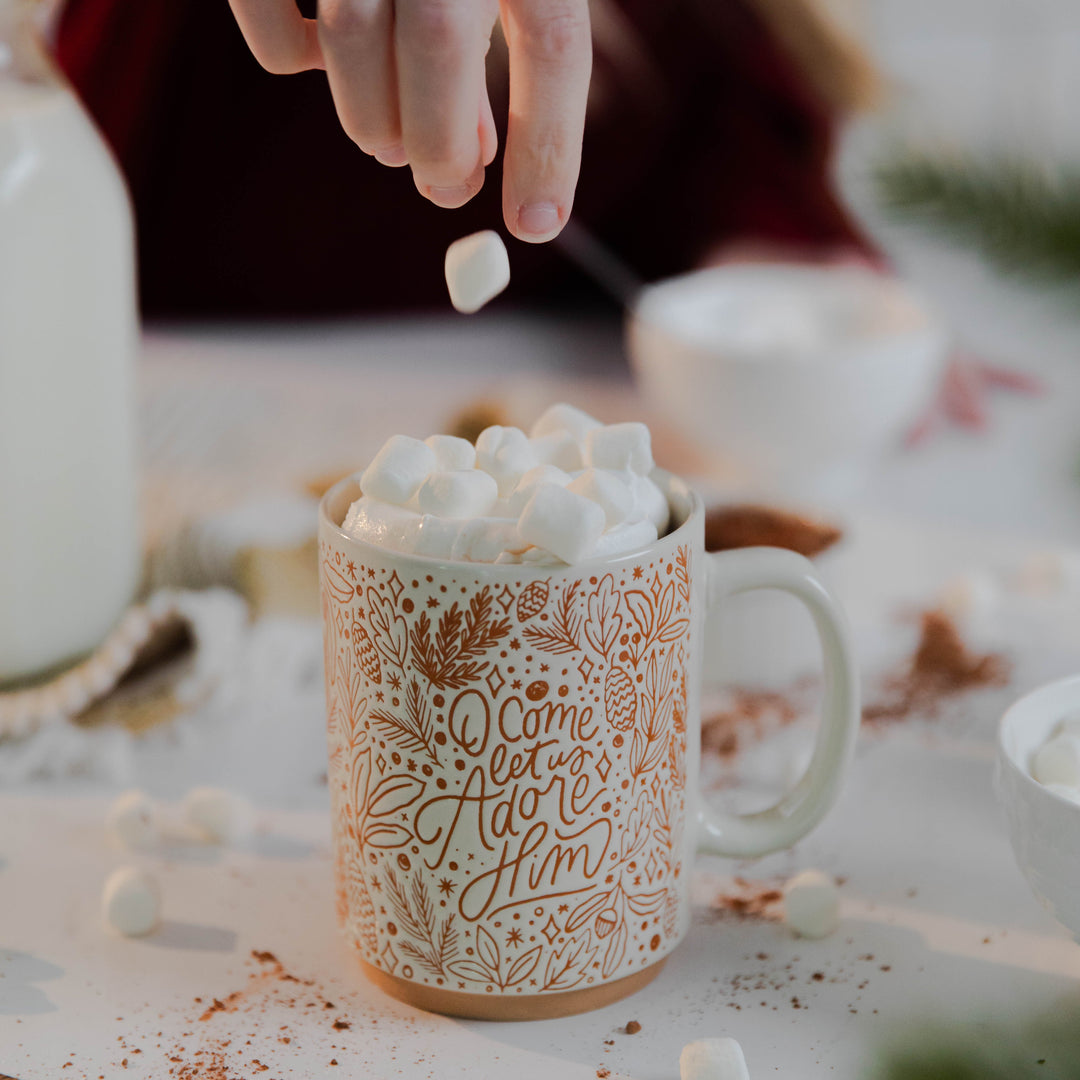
(812,904)
(464,493)
(610,492)
(217,815)
(561,522)
(452,453)
(505,453)
(477,270)
(398,469)
(132,820)
(1058,761)
(564,418)
(713,1059)
(131,901)
(558,448)
(620,446)
(973,595)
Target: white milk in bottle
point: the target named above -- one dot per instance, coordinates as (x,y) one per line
(69,546)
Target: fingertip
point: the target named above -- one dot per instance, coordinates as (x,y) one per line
(536,222)
(450,198)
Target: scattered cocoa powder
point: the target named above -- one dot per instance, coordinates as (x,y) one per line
(751,716)
(603,1074)
(941,667)
(728,527)
(632,1027)
(342,1025)
(753,900)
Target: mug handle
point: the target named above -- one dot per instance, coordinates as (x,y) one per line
(727,574)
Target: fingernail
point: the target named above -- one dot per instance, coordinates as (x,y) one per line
(540,220)
(392,155)
(451,197)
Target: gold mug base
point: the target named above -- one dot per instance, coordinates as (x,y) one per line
(500,1007)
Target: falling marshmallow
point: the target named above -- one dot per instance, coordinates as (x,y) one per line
(812,904)
(131,901)
(713,1059)
(217,815)
(132,820)
(477,270)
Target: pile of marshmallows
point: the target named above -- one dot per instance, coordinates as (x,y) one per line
(571,489)
(131,898)
(1056,764)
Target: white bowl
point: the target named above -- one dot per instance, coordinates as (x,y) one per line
(1044,827)
(799,376)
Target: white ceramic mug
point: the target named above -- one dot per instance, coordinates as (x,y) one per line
(514,756)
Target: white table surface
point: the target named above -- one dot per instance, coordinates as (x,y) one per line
(931,894)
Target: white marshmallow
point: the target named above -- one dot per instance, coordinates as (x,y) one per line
(558,448)
(382,524)
(131,901)
(451,452)
(973,595)
(541,474)
(506,454)
(651,503)
(508,558)
(217,815)
(477,269)
(398,469)
(1058,761)
(1069,725)
(436,536)
(1065,791)
(812,904)
(132,820)
(609,491)
(537,556)
(620,446)
(630,536)
(566,418)
(484,539)
(563,523)
(465,493)
(713,1059)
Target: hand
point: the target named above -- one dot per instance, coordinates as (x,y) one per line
(408,82)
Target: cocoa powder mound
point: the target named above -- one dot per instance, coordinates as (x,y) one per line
(941,667)
(729,527)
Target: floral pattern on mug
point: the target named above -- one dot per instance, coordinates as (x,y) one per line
(508,768)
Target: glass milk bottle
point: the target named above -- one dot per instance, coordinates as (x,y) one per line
(69,545)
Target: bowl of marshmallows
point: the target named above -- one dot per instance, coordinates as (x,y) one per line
(1038,782)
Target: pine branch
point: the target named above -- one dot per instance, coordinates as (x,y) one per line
(1022,218)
